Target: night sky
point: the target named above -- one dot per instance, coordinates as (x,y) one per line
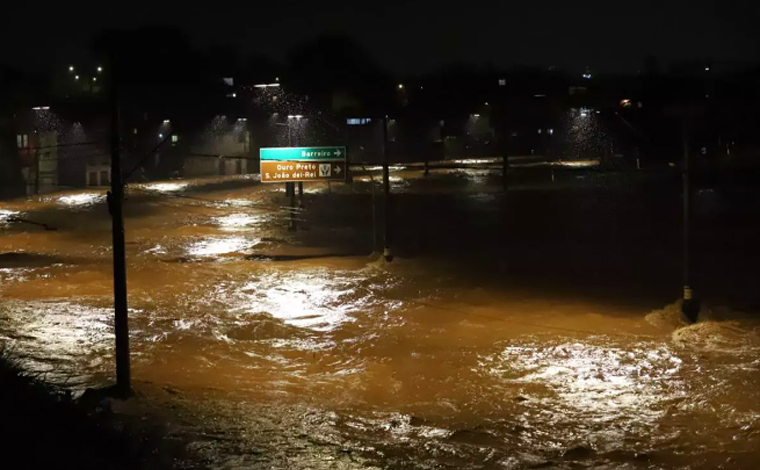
(417,35)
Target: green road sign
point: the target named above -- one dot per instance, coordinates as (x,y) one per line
(302,154)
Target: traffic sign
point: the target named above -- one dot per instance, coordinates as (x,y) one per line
(291,164)
(303,153)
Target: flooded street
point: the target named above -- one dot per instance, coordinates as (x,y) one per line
(536,330)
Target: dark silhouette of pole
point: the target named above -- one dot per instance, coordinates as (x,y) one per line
(116,205)
(504,158)
(291,190)
(504,168)
(387,253)
(36,172)
(300,194)
(689,306)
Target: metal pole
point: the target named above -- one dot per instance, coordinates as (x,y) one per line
(36,172)
(300,194)
(116,203)
(292,223)
(387,253)
(504,159)
(504,167)
(375,243)
(689,306)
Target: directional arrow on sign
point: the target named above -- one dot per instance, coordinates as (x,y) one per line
(338,152)
(337,169)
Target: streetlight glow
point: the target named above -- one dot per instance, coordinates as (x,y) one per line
(295,116)
(400,86)
(100,69)
(41,108)
(71,68)
(76,77)
(166,121)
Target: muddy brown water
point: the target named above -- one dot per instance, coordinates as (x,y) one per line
(532,331)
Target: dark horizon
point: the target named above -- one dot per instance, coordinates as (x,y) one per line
(417,37)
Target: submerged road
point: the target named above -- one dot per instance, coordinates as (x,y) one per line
(534,330)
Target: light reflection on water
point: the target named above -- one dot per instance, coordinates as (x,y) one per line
(66,333)
(236,222)
(81,200)
(6,215)
(595,381)
(165,187)
(313,300)
(220,246)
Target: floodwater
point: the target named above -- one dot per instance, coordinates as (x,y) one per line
(536,330)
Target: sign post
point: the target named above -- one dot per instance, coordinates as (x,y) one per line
(293,165)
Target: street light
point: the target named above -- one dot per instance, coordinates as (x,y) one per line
(71,68)
(266,85)
(76,77)
(100,69)
(400,86)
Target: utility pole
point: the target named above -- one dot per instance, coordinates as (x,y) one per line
(36,172)
(387,253)
(116,205)
(690,306)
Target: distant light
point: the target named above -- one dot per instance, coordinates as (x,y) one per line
(486,103)
(550,131)
(707,68)
(166,121)
(584,112)
(242,119)
(539,95)
(94,79)
(71,68)
(276,79)
(76,77)
(100,69)
(234,95)
(502,82)
(266,85)
(160,136)
(400,86)
(587,76)
(41,108)
(540,131)
(358,121)
(295,116)
(626,103)
(475,115)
